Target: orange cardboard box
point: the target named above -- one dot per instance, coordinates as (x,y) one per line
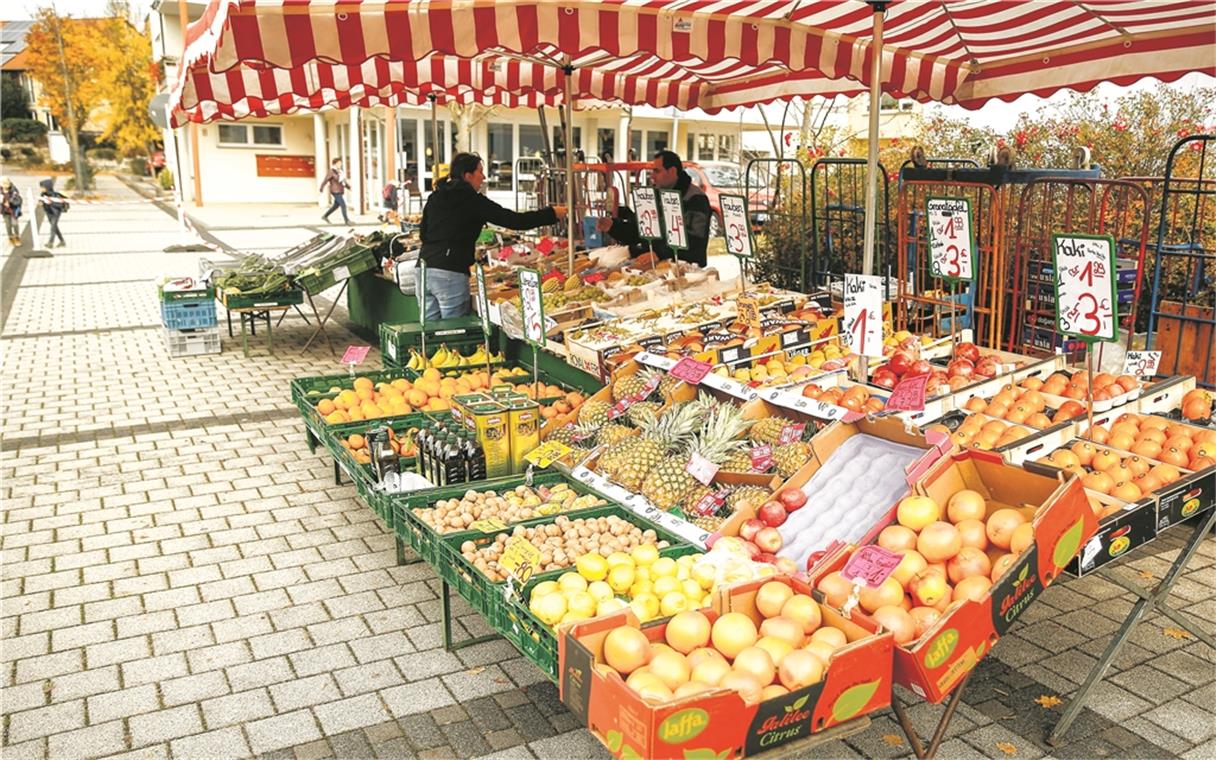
(719,723)
(933,665)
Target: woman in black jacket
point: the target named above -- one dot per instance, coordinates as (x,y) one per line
(451,221)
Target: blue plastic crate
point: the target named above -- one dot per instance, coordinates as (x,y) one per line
(187,315)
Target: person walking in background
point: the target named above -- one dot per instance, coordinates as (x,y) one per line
(335,182)
(10,206)
(54,204)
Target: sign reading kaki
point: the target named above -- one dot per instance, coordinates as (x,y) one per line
(1086,302)
(952,253)
(1141,363)
(862,327)
(735,224)
(645,201)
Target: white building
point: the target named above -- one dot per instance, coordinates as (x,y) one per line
(284,159)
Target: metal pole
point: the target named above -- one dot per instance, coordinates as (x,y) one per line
(178,193)
(568,70)
(184,17)
(872,138)
(434,139)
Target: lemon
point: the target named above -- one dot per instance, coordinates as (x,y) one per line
(619,558)
(663,567)
(621,578)
(609,606)
(572,582)
(642,572)
(704,574)
(691,589)
(572,617)
(639,588)
(645,554)
(666,585)
(688,560)
(599,590)
(646,607)
(673,603)
(683,573)
(549,608)
(545,587)
(593,567)
(581,603)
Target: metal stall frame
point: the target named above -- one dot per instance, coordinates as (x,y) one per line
(1050,205)
(1196,247)
(832,222)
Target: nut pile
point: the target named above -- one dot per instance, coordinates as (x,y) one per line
(518,504)
(562,542)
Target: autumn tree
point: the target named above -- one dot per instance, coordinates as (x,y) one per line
(128,78)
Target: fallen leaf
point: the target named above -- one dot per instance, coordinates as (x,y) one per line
(1176,633)
(893,740)
(475,671)
(1146,575)
(1007,748)
(1048,701)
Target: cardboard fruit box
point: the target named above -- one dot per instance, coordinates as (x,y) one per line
(933,665)
(719,723)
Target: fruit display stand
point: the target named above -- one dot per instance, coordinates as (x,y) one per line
(717,721)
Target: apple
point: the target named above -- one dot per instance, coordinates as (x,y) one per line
(786,566)
(918,368)
(968,351)
(752,550)
(769,540)
(767,558)
(749,529)
(772,513)
(792,499)
(899,363)
(884,378)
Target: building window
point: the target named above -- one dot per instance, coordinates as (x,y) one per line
(726,147)
(635,145)
(559,138)
(888,103)
(531,141)
(606,139)
(500,148)
(655,142)
(705,148)
(240,135)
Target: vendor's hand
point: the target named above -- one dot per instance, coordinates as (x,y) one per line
(560,211)
(603,224)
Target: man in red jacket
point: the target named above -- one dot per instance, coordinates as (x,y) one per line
(337,185)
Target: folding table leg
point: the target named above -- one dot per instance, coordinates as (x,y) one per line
(1147,602)
(939,734)
(448,644)
(322,320)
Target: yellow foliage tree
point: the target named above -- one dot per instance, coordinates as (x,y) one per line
(128,77)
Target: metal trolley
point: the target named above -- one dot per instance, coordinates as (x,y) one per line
(838,215)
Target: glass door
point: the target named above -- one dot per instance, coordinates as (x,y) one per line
(373,161)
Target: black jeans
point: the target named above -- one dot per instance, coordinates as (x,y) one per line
(339,203)
(54,220)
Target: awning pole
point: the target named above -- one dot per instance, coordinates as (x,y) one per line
(434,140)
(872,138)
(570,210)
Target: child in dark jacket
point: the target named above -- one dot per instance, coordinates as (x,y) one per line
(54,203)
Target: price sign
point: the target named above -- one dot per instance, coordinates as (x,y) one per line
(701,469)
(533,305)
(673,219)
(908,395)
(870,565)
(483,302)
(862,328)
(709,503)
(762,457)
(489,525)
(519,558)
(421,293)
(749,311)
(952,251)
(545,246)
(791,433)
(1141,363)
(647,204)
(355,354)
(736,225)
(690,370)
(1086,302)
(547,453)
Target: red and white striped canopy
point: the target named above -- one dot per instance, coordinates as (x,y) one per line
(264,57)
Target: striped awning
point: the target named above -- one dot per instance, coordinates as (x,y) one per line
(264,57)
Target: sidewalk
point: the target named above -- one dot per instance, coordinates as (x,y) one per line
(182,579)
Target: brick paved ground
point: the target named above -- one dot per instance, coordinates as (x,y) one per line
(182,579)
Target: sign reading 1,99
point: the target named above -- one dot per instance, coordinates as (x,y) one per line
(648,213)
(1086,302)
(673,219)
(951,244)
(736,225)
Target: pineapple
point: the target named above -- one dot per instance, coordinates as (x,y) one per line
(612,456)
(594,413)
(744,495)
(573,435)
(791,457)
(631,386)
(767,430)
(708,523)
(659,436)
(669,485)
(739,461)
(667,386)
(642,411)
(613,433)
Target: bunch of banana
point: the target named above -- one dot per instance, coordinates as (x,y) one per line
(446,358)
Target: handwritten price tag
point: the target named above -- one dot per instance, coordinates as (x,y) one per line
(547,453)
(690,370)
(870,566)
(545,246)
(355,354)
(909,395)
(533,309)
(483,303)
(489,525)
(647,204)
(672,206)
(862,328)
(749,311)
(701,469)
(952,251)
(519,558)
(1086,301)
(736,225)
(1141,363)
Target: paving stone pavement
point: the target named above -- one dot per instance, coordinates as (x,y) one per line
(182,578)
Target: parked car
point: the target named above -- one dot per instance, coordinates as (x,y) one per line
(717,177)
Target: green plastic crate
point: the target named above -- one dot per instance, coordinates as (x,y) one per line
(285,297)
(202,294)
(397,340)
(463,345)
(307,391)
(357,260)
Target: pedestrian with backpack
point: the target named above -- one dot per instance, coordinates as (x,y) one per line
(10,207)
(54,204)
(335,182)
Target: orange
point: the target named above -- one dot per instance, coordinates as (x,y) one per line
(430,373)
(326,407)
(364,383)
(417,397)
(337,418)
